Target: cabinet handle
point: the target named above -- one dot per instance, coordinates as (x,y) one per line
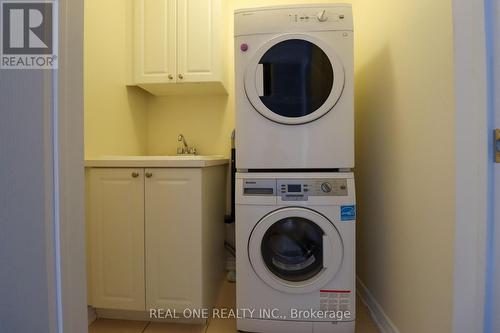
(170,77)
(181,76)
(135,174)
(149,175)
(497,145)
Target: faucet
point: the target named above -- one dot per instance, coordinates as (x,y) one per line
(183,139)
(185,150)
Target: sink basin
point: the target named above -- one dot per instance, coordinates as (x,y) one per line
(157,161)
(165,157)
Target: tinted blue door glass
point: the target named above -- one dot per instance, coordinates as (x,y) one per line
(292,249)
(298,78)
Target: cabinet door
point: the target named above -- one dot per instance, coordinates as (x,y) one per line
(173,238)
(199,40)
(116,238)
(155,41)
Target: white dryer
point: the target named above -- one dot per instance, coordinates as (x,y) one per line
(294,87)
(295,252)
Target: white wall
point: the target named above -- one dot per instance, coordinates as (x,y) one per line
(27,280)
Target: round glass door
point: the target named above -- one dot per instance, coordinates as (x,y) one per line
(295,250)
(294,79)
(292,249)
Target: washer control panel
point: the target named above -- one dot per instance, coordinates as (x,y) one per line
(296,189)
(259,187)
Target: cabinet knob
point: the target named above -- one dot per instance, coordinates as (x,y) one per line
(149,175)
(135,174)
(181,76)
(170,77)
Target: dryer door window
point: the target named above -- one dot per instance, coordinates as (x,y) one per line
(292,249)
(297,78)
(295,249)
(294,79)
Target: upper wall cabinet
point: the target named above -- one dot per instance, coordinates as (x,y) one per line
(178,47)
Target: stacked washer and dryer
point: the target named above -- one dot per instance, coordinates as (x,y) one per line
(295,192)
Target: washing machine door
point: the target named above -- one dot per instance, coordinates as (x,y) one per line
(294,79)
(295,250)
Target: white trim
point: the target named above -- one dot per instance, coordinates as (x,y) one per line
(68,150)
(50,204)
(145,316)
(56,204)
(471,90)
(91,315)
(384,323)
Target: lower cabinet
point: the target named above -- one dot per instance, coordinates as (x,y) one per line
(115,238)
(155,237)
(173,231)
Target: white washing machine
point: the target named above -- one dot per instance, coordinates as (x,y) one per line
(295,252)
(294,87)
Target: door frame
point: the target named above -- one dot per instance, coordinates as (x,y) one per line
(472,168)
(68,186)
(472,165)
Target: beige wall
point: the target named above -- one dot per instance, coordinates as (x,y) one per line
(405,159)
(115,116)
(205,121)
(404,145)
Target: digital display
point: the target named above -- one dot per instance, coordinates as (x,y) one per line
(258,191)
(295,188)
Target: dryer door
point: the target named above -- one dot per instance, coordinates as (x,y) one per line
(295,250)
(294,79)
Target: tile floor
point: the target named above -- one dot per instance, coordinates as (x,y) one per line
(364,322)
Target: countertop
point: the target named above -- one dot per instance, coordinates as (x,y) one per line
(156,161)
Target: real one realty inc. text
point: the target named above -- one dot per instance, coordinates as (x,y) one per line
(229,313)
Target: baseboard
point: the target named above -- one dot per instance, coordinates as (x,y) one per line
(144,316)
(91,314)
(383,322)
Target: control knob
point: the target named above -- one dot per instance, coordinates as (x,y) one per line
(326,187)
(322,16)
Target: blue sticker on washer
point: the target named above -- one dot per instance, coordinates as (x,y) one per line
(348,213)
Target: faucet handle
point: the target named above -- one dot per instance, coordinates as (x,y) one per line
(192,151)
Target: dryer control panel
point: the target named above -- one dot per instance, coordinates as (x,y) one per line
(293,18)
(296,189)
